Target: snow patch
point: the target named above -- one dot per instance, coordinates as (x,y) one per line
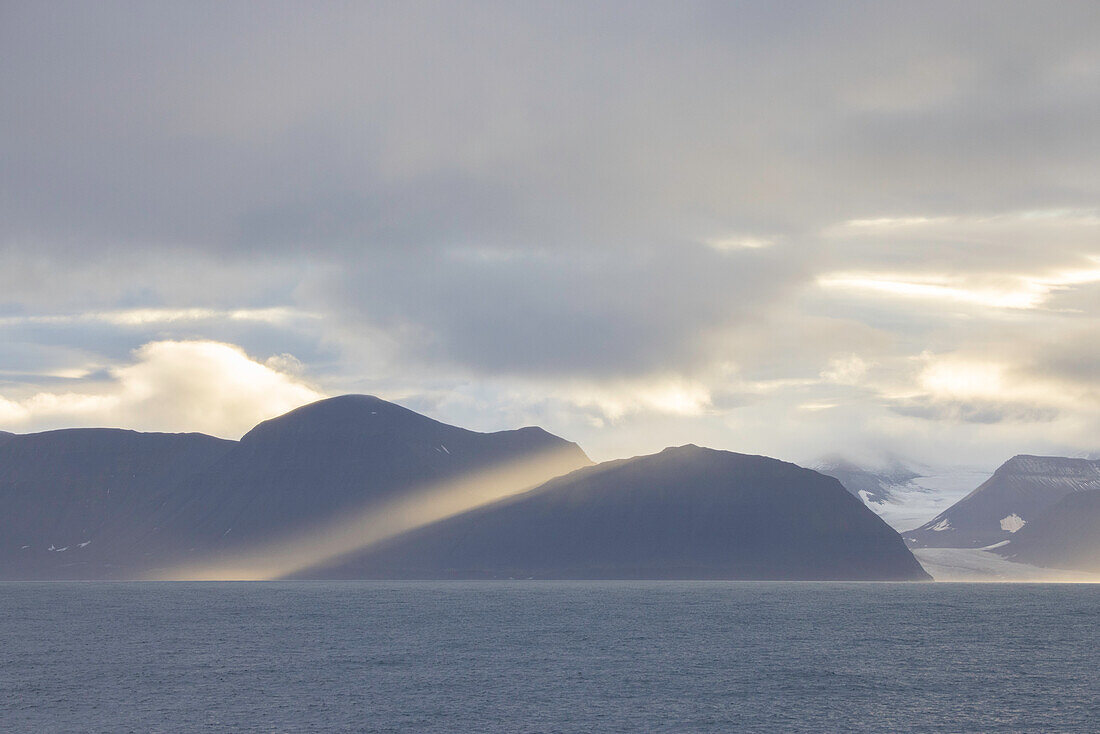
(445,449)
(85,544)
(1012,523)
(942,525)
(868,498)
(996,545)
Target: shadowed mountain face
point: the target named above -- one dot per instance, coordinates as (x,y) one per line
(333,457)
(103,503)
(72,501)
(685,513)
(1066,535)
(141,501)
(1018,493)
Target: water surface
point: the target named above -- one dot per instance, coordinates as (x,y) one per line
(549,657)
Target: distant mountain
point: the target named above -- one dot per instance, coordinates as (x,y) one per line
(1021,490)
(120,503)
(1066,535)
(685,513)
(871,486)
(72,500)
(904,494)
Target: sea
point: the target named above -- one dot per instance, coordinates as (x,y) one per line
(540,656)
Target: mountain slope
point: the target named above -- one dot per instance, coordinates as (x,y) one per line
(337,456)
(686,512)
(1017,493)
(71,500)
(116,504)
(872,487)
(904,495)
(1066,535)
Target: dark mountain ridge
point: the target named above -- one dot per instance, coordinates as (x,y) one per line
(120,502)
(684,513)
(107,503)
(335,456)
(71,499)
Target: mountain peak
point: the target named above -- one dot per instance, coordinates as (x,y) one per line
(674,457)
(1018,493)
(686,449)
(343,414)
(1028,464)
(688,453)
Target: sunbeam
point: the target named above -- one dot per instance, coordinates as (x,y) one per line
(374,523)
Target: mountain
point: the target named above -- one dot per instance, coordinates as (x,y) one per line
(71,500)
(1017,493)
(904,494)
(685,513)
(5,437)
(1066,535)
(340,457)
(872,487)
(121,503)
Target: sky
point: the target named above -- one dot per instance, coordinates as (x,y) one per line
(793,229)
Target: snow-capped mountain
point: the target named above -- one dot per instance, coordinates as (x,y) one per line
(1018,493)
(904,494)
(872,486)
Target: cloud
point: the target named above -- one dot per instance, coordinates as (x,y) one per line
(982,412)
(611,313)
(683,221)
(1025,295)
(335,129)
(739,242)
(139,317)
(847,370)
(172,386)
(1013,260)
(669,395)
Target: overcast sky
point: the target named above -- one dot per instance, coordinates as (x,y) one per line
(781,228)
